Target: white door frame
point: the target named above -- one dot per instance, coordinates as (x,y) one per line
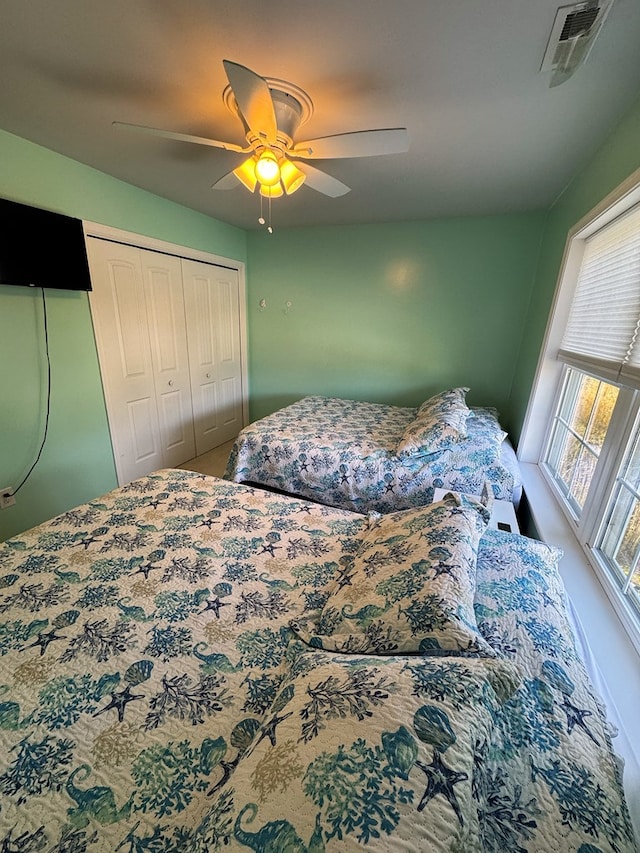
(142,241)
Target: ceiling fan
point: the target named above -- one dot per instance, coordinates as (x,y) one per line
(271,112)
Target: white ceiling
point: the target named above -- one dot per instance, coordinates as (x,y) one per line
(488,135)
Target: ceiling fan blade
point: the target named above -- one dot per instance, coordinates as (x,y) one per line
(254,101)
(322,182)
(359,143)
(226,182)
(182,137)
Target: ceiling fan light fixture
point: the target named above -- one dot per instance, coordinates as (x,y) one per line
(267,170)
(292,178)
(274,191)
(246,173)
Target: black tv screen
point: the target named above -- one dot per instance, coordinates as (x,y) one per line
(39,248)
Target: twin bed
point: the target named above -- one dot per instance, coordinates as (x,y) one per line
(193,664)
(345,453)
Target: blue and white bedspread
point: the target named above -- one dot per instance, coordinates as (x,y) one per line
(342,453)
(155,698)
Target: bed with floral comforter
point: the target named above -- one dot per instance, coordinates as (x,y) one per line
(344,453)
(188,664)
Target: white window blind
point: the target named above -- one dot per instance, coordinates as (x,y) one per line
(602,333)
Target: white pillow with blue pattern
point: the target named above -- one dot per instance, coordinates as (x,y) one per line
(440,423)
(410,587)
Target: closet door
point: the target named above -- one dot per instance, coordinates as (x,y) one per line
(138,317)
(212,306)
(169,354)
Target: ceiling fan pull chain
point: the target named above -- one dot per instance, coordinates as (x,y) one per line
(269,228)
(261,217)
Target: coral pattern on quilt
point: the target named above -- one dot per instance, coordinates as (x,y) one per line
(343,453)
(154,699)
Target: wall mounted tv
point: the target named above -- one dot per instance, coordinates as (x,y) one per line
(39,248)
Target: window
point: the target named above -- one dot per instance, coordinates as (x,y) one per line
(619,541)
(579,429)
(589,448)
(598,485)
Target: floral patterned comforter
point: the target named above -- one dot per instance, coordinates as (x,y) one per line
(342,453)
(153,696)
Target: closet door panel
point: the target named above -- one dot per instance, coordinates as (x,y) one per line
(168,339)
(231,391)
(130,322)
(178,426)
(206,423)
(142,426)
(212,304)
(162,319)
(229,368)
(201,314)
(120,321)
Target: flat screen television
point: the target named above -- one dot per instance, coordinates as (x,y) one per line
(39,248)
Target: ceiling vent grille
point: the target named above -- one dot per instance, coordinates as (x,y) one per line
(578,23)
(572,36)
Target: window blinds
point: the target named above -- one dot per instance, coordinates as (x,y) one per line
(603,330)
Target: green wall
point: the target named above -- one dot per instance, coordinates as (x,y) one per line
(390,313)
(77,462)
(618,158)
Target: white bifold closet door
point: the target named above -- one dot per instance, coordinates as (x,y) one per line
(162,346)
(212,305)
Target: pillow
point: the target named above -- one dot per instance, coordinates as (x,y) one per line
(484,431)
(440,423)
(410,587)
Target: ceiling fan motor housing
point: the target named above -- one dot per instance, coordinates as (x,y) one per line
(291,105)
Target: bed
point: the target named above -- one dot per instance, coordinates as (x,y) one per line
(189,664)
(345,453)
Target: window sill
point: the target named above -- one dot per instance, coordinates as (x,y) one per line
(614,653)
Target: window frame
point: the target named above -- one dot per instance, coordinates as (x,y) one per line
(589,525)
(546,394)
(605,463)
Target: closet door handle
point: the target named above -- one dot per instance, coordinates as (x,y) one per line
(170,382)
(208,376)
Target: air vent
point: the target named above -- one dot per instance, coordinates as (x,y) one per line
(579,23)
(572,36)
